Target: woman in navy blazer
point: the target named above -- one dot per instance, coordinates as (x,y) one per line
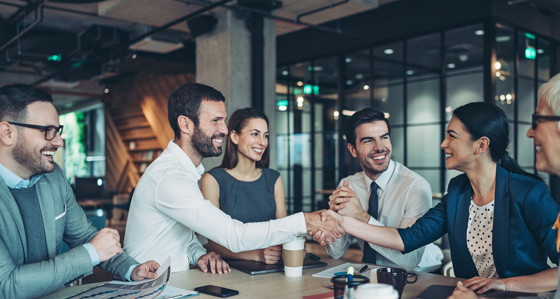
(522,237)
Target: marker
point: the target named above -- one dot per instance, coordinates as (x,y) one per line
(363,269)
(350,273)
(350,279)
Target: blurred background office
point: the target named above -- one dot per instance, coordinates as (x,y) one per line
(111,65)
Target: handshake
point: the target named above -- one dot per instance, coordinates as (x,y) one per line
(325,226)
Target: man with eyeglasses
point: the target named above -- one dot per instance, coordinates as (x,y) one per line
(38,209)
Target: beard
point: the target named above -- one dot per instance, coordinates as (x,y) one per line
(32,161)
(375,169)
(202,143)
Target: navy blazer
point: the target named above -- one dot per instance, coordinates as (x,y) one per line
(524,213)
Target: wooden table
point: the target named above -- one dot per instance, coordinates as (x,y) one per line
(277,285)
(274,285)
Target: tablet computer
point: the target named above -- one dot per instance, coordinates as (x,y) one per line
(254,267)
(442,291)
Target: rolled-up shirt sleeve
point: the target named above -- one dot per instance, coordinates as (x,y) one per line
(191,210)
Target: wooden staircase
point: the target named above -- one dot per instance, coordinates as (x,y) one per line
(137,127)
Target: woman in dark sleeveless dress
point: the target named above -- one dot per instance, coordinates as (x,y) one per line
(243,186)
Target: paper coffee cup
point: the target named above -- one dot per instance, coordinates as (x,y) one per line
(292,255)
(376,290)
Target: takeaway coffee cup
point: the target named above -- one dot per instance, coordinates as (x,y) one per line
(377,291)
(341,284)
(396,277)
(292,255)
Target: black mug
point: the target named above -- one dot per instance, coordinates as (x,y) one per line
(396,277)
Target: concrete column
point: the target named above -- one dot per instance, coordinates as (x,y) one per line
(223,61)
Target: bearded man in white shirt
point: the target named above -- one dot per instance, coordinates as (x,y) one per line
(168,208)
(401,196)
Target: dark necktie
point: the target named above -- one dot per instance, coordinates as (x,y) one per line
(369,253)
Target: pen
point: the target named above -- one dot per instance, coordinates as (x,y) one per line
(350,279)
(175,296)
(363,269)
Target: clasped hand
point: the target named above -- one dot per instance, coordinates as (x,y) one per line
(271,255)
(214,263)
(107,244)
(323,228)
(471,288)
(345,202)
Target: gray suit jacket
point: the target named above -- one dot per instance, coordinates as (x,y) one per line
(63,219)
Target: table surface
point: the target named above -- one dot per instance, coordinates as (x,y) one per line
(274,285)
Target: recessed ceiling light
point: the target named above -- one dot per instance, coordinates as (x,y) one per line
(479,32)
(284,73)
(497,65)
(540,51)
(348,59)
(349,82)
(503,38)
(451,65)
(410,72)
(389,51)
(348,112)
(366,87)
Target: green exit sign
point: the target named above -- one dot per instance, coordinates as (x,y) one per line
(530,53)
(55,57)
(282,103)
(308,89)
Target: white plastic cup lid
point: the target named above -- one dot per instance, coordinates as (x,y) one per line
(376,290)
(293,271)
(297,243)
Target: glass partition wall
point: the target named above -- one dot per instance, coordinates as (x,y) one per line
(417,82)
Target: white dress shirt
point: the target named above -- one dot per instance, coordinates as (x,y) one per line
(168,208)
(404,196)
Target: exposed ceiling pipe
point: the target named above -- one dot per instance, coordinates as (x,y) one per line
(141,37)
(298,18)
(267,14)
(38,19)
(513,2)
(179,20)
(23,11)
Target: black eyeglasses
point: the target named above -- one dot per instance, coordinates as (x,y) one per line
(50,131)
(535,119)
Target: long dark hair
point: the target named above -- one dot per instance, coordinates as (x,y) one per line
(484,119)
(239,119)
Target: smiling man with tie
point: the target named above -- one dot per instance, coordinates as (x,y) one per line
(384,193)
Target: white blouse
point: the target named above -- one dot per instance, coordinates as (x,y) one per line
(479,238)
